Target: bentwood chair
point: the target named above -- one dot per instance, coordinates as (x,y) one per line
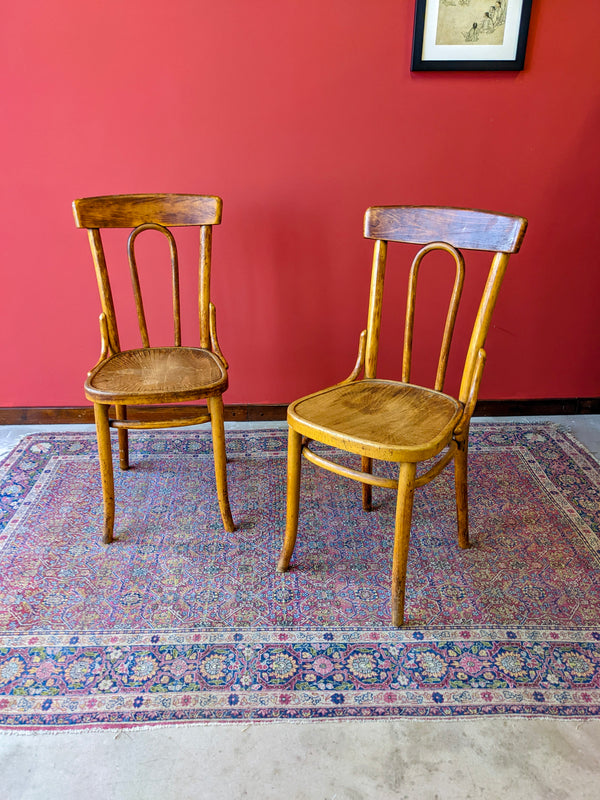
(154,375)
(399,421)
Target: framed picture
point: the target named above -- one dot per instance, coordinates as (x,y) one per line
(470,34)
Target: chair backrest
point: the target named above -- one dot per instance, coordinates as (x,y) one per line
(142,212)
(450,230)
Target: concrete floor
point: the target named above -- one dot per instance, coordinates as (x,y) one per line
(347,760)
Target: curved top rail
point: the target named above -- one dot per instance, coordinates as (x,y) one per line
(132,210)
(462,228)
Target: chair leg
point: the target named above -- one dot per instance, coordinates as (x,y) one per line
(293,498)
(106,469)
(215,408)
(121,413)
(404,507)
(462,491)
(367,466)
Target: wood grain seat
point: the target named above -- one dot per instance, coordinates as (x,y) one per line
(148,374)
(352,414)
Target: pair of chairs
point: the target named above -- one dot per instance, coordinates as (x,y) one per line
(393,421)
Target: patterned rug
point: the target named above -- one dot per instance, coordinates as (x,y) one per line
(178,622)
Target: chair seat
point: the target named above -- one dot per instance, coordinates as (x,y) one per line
(380,419)
(156,375)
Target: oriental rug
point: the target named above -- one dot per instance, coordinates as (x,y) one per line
(179,622)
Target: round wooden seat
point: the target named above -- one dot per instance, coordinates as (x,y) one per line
(148,374)
(380,419)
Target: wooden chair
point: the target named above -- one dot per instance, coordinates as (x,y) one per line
(398,421)
(154,375)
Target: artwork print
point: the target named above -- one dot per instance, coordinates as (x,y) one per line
(472,22)
(470,34)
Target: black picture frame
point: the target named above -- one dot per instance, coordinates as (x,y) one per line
(429,55)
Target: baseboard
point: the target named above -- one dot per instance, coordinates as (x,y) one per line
(85,414)
(273,412)
(538,407)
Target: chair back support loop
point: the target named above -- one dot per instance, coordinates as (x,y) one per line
(152,226)
(160,212)
(450,318)
(453,230)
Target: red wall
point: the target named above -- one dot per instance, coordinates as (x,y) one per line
(300,114)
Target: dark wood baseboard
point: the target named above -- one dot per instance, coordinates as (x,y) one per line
(273,412)
(85,414)
(538,407)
